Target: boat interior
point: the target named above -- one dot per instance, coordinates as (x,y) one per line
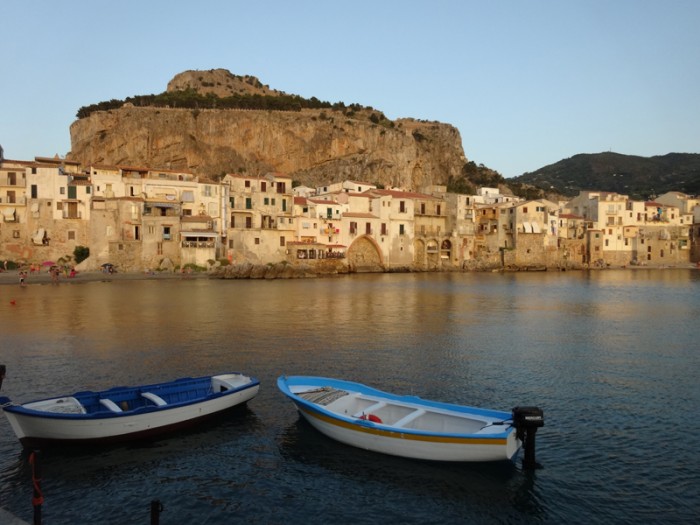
(400,415)
(125,399)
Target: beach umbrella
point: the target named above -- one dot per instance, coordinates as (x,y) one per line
(48,263)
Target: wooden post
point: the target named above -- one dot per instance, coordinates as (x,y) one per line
(38,498)
(156,509)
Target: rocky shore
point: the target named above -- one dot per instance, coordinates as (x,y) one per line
(253,271)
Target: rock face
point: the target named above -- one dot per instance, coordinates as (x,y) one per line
(312,146)
(219,82)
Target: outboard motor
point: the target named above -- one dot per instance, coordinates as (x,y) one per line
(526,421)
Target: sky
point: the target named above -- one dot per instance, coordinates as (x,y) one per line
(526,82)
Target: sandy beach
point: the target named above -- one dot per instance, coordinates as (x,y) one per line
(12,277)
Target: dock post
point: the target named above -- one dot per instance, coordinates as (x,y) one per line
(156,509)
(38,497)
(3,370)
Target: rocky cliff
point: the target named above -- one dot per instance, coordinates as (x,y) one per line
(311,145)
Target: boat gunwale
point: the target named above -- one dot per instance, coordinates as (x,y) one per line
(21,409)
(365,425)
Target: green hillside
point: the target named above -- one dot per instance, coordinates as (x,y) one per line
(638,177)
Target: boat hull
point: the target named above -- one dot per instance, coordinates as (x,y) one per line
(36,429)
(502,445)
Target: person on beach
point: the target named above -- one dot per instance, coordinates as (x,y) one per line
(22,277)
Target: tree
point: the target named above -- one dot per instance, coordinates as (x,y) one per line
(80,253)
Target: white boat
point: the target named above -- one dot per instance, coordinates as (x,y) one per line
(409,426)
(127,413)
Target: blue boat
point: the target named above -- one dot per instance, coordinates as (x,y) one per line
(127,413)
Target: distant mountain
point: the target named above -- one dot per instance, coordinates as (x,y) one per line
(637,177)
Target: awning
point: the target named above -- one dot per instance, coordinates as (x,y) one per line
(187,196)
(161,204)
(199,234)
(536,228)
(9,214)
(38,237)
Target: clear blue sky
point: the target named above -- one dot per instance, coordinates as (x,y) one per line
(526,82)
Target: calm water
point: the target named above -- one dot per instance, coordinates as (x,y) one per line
(611,357)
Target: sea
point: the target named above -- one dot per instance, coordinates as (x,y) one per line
(611,357)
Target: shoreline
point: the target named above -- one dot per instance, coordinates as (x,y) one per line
(11,277)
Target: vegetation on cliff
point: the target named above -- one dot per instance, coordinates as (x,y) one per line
(474,176)
(191,99)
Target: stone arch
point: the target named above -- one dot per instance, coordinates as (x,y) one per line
(432,259)
(364,255)
(419,253)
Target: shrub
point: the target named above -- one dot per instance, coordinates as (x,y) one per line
(80,253)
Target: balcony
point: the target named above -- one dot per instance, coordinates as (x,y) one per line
(13,200)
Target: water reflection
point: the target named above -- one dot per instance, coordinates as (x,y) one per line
(610,357)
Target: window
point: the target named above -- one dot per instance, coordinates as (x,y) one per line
(263,186)
(402,206)
(248,203)
(249,222)
(383,228)
(266,201)
(439,209)
(353,228)
(422,208)
(257,240)
(35,191)
(284,204)
(247,184)
(166,233)
(71,235)
(368,228)
(401,229)
(282,241)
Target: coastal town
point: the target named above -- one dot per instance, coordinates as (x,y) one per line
(149,219)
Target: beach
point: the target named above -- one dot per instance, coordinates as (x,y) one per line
(12,277)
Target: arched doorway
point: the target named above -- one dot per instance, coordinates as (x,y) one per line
(446,251)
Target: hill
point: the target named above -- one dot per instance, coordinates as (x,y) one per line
(213,122)
(637,177)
